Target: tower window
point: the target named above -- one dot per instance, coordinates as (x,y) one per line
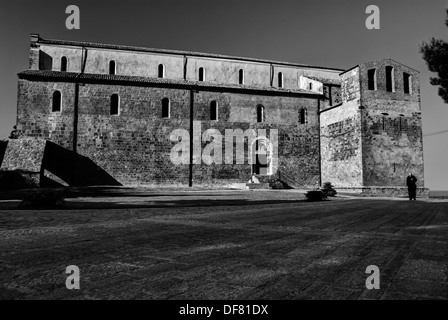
(166,108)
(213,110)
(260,113)
(64,64)
(57,102)
(201,74)
(303,116)
(114,105)
(310,86)
(280,80)
(241,76)
(371,74)
(407,83)
(112,67)
(161,71)
(390,86)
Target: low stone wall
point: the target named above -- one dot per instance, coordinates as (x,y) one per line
(401,192)
(24,154)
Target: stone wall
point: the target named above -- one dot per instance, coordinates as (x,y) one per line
(375,137)
(24,154)
(134,146)
(34,116)
(356,137)
(392,127)
(398,192)
(341,144)
(44,56)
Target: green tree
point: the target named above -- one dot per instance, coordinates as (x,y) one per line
(435,53)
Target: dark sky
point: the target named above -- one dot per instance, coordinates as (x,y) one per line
(320,32)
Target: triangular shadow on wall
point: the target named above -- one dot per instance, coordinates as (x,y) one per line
(3,146)
(72,168)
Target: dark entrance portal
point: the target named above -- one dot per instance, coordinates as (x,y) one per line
(262,158)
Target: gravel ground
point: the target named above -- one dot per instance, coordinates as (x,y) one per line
(141,243)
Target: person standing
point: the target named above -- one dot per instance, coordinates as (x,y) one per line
(411,183)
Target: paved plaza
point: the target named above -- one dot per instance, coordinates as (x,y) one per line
(228,244)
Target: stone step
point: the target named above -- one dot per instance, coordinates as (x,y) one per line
(253,186)
(241,185)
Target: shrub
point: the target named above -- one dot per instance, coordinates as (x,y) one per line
(328,189)
(315,195)
(16,179)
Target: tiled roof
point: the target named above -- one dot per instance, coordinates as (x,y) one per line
(325,80)
(177,52)
(144,81)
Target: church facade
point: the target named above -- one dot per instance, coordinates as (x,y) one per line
(119,107)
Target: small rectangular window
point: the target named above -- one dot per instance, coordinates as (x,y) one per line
(372,79)
(57,102)
(214,110)
(260,113)
(407,83)
(241,77)
(114,105)
(390,85)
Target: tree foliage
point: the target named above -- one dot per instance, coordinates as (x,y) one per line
(435,53)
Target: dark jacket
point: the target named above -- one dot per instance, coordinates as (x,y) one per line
(411,182)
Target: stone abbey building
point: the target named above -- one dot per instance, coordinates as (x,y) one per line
(88,112)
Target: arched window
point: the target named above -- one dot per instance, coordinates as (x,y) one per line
(165,108)
(390,83)
(280,80)
(112,67)
(56,102)
(213,110)
(201,74)
(303,116)
(114,104)
(260,114)
(161,71)
(241,76)
(64,64)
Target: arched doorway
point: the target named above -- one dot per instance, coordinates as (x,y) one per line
(262,156)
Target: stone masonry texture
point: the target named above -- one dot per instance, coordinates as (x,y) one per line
(328,124)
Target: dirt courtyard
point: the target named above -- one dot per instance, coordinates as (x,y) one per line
(171,244)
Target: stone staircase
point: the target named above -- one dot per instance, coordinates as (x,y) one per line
(287,179)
